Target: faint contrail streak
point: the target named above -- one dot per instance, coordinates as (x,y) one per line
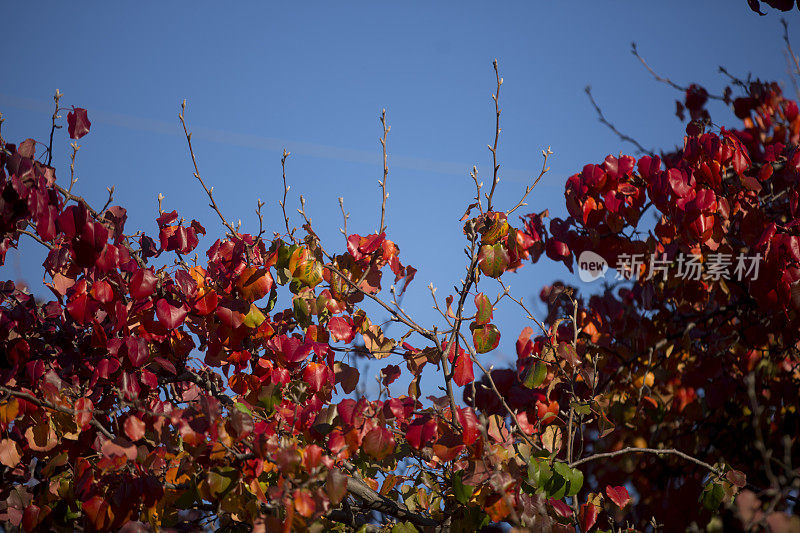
(258,142)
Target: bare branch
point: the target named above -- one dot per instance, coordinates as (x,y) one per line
(493,148)
(209,192)
(529,188)
(54,127)
(282,203)
(345,216)
(667,451)
(384,194)
(609,125)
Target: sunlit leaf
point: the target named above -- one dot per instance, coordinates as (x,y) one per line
(493,259)
(485,338)
(484,307)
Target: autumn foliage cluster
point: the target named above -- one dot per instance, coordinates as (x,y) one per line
(155,392)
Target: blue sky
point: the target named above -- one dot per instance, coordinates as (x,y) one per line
(313,77)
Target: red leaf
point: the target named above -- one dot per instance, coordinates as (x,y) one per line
(737,478)
(379,443)
(588,516)
(336,485)
(137,349)
(304,503)
(485,311)
(421,432)
(78,123)
(207,302)
(390,373)
(169,315)
(524,344)
(293,349)
(254,283)
(78,309)
(400,408)
(469,424)
(83,412)
(129,386)
(317,375)
(561,508)
(134,428)
(347,376)
(341,329)
(142,284)
(618,495)
(102,291)
(463,372)
(232,312)
(97,512)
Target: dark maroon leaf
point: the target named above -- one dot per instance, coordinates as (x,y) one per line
(78,123)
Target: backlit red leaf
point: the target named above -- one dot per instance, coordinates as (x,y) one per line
(379,443)
(83,412)
(618,495)
(171,316)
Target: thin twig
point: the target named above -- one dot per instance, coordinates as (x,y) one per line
(282,203)
(209,192)
(792,56)
(493,148)
(529,188)
(36,238)
(668,451)
(345,216)
(382,183)
(54,127)
(668,81)
(72,178)
(601,117)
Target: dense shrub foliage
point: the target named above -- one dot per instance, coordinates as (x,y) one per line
(158,392)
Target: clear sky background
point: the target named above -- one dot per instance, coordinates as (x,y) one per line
(313,77)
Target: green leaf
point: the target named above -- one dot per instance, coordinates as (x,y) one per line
(404,527)
(282,275)
(539,472)
(269,396)
(254,317)
(485,311)
(712,496)
(572,476)
(556,486)
(493,259)
(462,491)
(243,408)
(219,481)
(582,409)
(535,375)
(273,298)
(485,338)
(575,482)
(309,273)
